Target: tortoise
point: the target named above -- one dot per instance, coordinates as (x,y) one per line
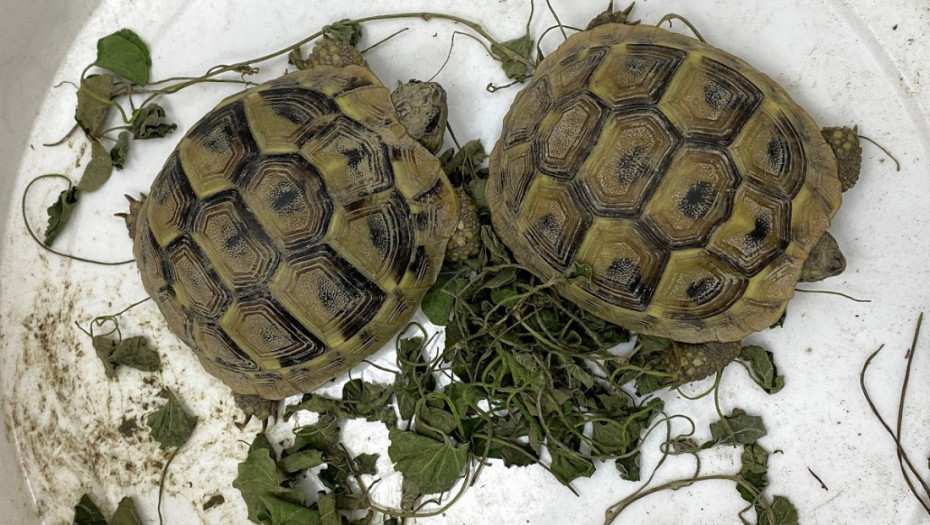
(296,226)
(689,184)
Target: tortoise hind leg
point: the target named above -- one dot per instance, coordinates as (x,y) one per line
(686,362)
(845,144)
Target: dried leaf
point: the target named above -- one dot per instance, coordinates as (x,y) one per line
(629,467)
(147,122)
(125,54)
(277,511)
(301,460)
(171,425)
(92,106)
(785,512)
(133,352)
(439,299)
(754,469)
(346,31)
(259,479)
(762,368)
(59,213)
(519,46)
(126,513)
(432,465)
(326,502)
(120,151)
(739,428)
(569,467)
(98,170)
(88,513)
(366,463)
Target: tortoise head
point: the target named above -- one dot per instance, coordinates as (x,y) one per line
(421,108)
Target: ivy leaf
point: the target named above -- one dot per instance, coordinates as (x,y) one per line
(133,352)
(568,466)
(739,428)
(88,513)
(323,435)
(125,54)
(120,151)
(277,511)
(366,463)
(434,466)
(366,399)
(126,513)
(504,297)
(98,170)
(59,213)
(296,59)
(147,122)
(439,299)
(754,469)
(462,166)
(628,467)
(260,482)
(785,512)
(326,502)
(762,368)
(171,425)
(92,108)
(301,460)
(350,33)
(519,46)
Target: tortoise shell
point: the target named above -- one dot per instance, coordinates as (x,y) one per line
(294,230)
(689,182)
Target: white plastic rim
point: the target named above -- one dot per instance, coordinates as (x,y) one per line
(846,61)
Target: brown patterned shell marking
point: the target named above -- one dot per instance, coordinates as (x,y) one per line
(691,183)
(294,230)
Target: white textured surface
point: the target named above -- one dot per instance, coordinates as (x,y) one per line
(843,60)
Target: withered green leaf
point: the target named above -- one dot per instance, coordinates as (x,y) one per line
(462,166)
(326,502)
(569,466)
(739,428)
(629,467)
(439,299)
(296,58)
(171,425)
(366,399)
(322,435)
(785,512)
(98,170)
(366,463)
(259,479)
(147,122)
(278,511)
(346,31)
(432,465)
(92,106)
(88,513)
(120,151)
(59,213)
(125,54)
(762,370)
(519,46)
(133,352)
(126,513)
(301,460)
(754,469)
